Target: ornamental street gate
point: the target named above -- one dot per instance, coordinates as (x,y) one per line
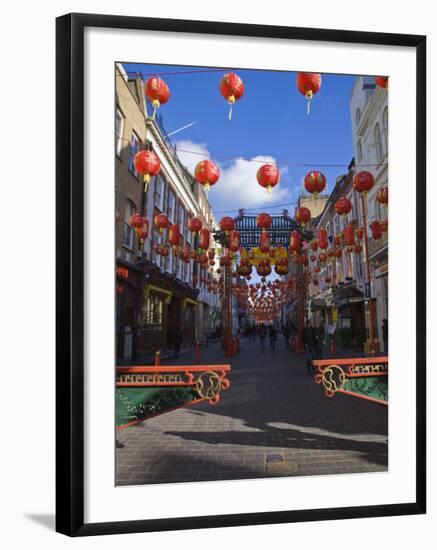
(279,233)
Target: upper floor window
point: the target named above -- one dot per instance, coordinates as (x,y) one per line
(385,126)
(159,193)
(357,117)
(128,232)
(359,151)
(134,147)
(171,204)
(378,143)
(119,123)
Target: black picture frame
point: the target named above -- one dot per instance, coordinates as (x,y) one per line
(70,273)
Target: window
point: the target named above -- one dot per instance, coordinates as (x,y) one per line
(152,310)
(336,225)
(119,123)
(171,207)
(134,147)
(157,240)
(380,210)
(378,143)
(181,218)
(128,231)
(385,126)
(359,151)
(357,117)
(159,193)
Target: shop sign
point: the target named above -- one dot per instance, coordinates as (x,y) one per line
(122,272)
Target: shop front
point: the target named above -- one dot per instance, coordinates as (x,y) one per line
(350,329)
(129,282)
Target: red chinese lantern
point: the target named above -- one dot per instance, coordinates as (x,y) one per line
(382,81)
(142,232)
(313,258)
(227,224)
(343,206)
(204,238)
(206,173)
(322,238)
(268,176)
(147,164)
(314,245)
(161,221)
(322,257)
(264,221)
(308,84)
(303,260)
(316,269)
(211,253)
(384,225)
(294,247)
(173,234)
(234,241)
(363,181)
(157,92)
(375,228)
(137,221)
(185,255)
(303,215)
(337,252)
(225,260)
(232,88)
(194,225)
(315,182)
(359,233)
(382,195)
(358,249)
(349,235)
(264,242)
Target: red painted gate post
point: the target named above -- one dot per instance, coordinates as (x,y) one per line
(157,358)
(197,353)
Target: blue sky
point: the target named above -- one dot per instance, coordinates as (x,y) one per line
(270,122)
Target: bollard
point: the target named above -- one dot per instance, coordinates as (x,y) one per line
(331,346)
(197,353)
(157,358)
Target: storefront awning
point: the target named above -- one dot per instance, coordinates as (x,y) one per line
(318,303)
(347,295)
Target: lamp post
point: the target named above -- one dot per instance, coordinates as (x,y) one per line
(363,182)
(368,290)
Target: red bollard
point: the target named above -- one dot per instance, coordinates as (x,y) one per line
(331,346)
(197,354)
(157,358)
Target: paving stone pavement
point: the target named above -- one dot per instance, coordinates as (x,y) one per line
(274,420)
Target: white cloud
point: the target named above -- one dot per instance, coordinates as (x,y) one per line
(189,159)
(237,186)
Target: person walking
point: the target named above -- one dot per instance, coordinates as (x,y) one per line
(309,341)
(286,331)
(272,336)
(262,333)
(385,335)
(177,340)
(320,341)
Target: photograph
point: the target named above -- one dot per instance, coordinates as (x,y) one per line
(251,259)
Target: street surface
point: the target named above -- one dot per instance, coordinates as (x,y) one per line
(274,420)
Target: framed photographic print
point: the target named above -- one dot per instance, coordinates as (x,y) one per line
(224,297)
